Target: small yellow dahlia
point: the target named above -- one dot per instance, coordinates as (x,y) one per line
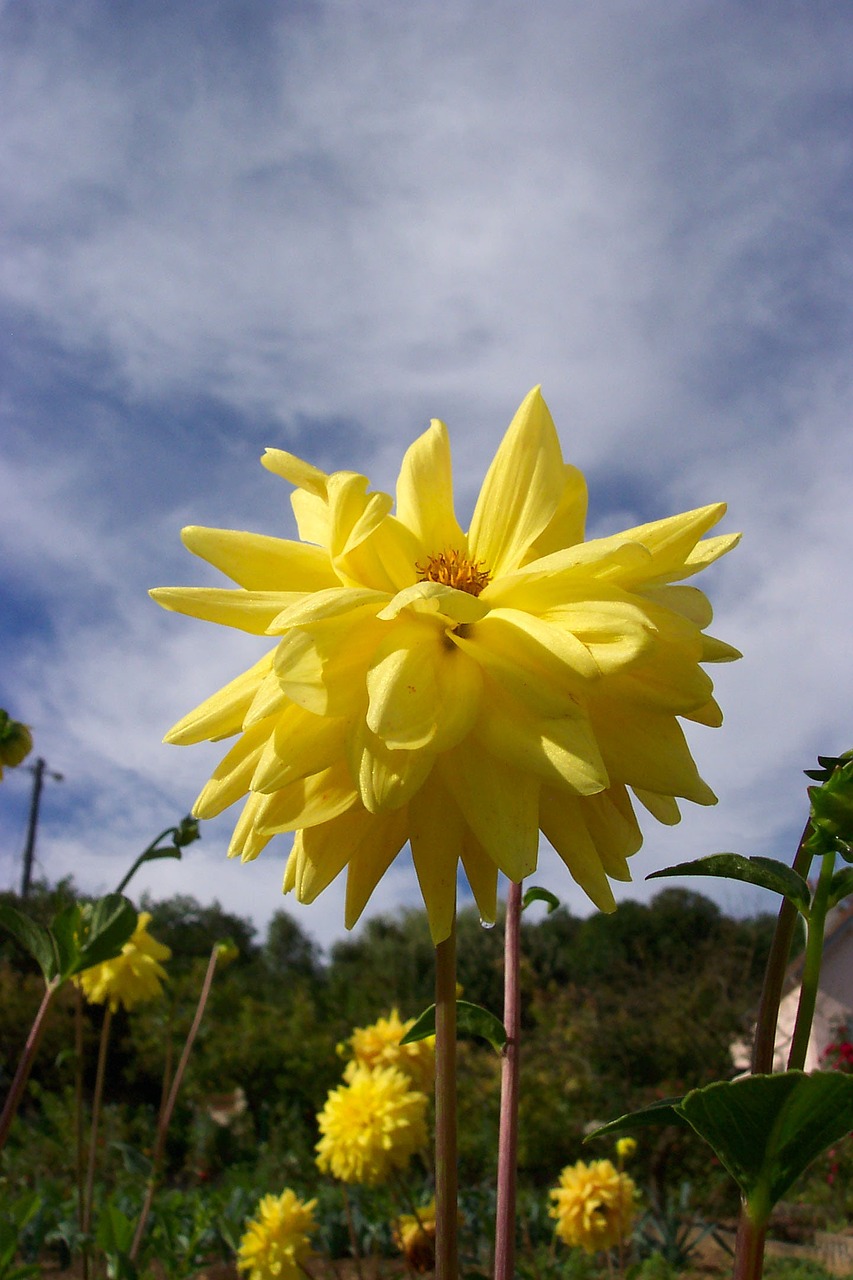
(461,691)
(276,1241)
(370,1126)
(379,1046)
(414,1236)
(594,1205)
(16,741)
(132,977)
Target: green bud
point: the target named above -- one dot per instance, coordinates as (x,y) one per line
(186,833)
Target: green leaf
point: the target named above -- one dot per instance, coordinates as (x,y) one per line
(109,925)
(840,885)
(66,927)
(656,1113)
(115,1236)
(34,938)
(766,1130)
(133,1160)
(471,1019)
(765,872)
(535,894)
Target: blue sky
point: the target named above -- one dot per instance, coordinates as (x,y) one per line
(317,225)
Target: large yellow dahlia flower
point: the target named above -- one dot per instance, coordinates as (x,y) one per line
(276,1242)
(459,691)
(132,977)
(594,1205)
(378,1045)
(371,1126)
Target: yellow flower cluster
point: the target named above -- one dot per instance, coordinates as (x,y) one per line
(371,1125)
(414,1236)
(594,1205)
(378,1045)
(16,741)
(132,977)
(276,1242)
(461,691)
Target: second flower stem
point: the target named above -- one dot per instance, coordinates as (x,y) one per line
(446,1179)
(508,1139)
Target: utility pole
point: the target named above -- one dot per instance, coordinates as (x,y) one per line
(38,770)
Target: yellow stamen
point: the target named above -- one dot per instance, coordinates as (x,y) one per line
(455,570)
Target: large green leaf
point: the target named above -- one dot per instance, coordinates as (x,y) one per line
(767,1130)
(765,872)
(33,937)
(107,926)
(66,927)
(471,1019)
(656,1113)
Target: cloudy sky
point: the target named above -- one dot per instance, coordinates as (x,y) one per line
(315,224)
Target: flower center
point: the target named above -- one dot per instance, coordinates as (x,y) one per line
(453,569)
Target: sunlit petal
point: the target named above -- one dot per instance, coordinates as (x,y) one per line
(521,491)
(221,715)
(425,492)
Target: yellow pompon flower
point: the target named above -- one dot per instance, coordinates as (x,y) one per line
(132,977)
(379,1046)
(415,1237)
(594,1205)
(371,1126)
(16,741)
(276,1241)
(461,691)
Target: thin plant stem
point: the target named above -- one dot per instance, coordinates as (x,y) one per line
(353,1238)
(78,1117)
(22,1075)
(749,1242)
(811,966)
(777,963)
(508,1135)
(143,857)
(166,1113)
(749,1247)
(97,1099)
(446,1176)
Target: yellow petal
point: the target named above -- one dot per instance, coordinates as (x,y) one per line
(561,751)
(302,744)
(312,517)
(613,827)
(664,808)
(261,563)
(386,779)
(434,599)
(542,665)
(566,526)
(482,876)
(251,611)
(231,777)
(690,602)
(371,859)
(521,491)
(710,714)
(714,650)
(422,691)
(322,667)
(425,492)
(648,750)
(246,841)
(562,822)
(293,469)
(307,802)
(499,804)
(437,833)
(324,851)
(269,700)
(221,715)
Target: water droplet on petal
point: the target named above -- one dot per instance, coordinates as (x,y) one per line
(486,924)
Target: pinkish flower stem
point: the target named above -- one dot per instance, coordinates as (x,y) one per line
(166,1113)
(508,1136)
(97,1099)
(22,1075)
(446,1175)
